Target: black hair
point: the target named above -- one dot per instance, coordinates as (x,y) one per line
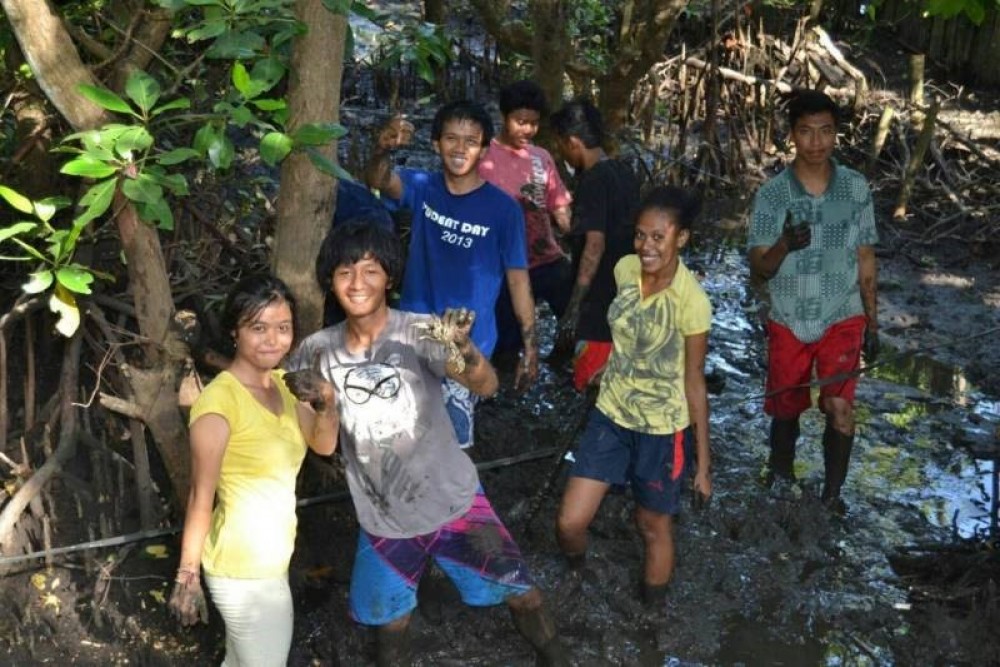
(522,94)
(353,241)
(807,102)
(683,205)
(250,296)
(581,119)
(462,110)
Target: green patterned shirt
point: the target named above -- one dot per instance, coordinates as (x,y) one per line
(817,286)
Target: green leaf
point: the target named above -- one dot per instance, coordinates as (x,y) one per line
(176,183)
(241,79)
(133,139)
(267,72)
(95,202)
(104,98)
(176,156)
(205,136)
(16,199)
(242,115)
(38,282)
(17,228)
(179,103)
(274,146)
(156,212)
(318,134)
(63,303)
(208,30)
(75,278)
(339,7)
(143,90)
(46,208)
(87,167)
(142,189)
(236,44)
(326,166)
(221,152)
(171,5)
(268,104)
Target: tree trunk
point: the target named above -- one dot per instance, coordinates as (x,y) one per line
(550,47)
(57,67)
(307,197)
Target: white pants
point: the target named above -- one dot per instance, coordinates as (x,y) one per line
(258,617)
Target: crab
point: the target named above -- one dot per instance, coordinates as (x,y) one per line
(443,330)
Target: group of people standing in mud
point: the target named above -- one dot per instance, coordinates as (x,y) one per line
(394,386)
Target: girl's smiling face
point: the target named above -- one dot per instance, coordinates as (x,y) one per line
(658,241)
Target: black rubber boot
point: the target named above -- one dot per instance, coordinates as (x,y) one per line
(538,628)
(653,594)
(837,448)
(784,433)
(393,647)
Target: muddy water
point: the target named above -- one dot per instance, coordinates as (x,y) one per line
(759,581)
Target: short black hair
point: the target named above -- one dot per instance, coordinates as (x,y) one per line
(462,110)
(581,119)
(683,205)
(807,102)
(523,94)
(354,241)
(250,296)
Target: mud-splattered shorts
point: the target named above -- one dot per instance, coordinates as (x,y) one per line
(790,366)
(475,550)
(652,465)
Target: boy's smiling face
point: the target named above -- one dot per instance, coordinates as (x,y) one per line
(460,147)
(361,287)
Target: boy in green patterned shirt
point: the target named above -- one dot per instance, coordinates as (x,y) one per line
(812,237)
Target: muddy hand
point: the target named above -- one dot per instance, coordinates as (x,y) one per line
(187,602)
(309,385)
(797,236)
(527,370)
(395,133)
(459,322)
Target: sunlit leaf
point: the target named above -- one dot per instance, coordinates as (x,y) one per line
(208,30)
(266,73)
(95,202)
(75,279)
(221,152)
(38,282)
(104,98)
(46,208)
(142,89)
(268,104)
(87,167)
(204,138)
(16,229)
(16,199)
(134,139)
(63,303)
(156,551)
(241,79)
(274,146)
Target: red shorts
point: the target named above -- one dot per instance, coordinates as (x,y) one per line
(591,356)
(790,364)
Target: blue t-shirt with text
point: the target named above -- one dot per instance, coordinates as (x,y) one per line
(461,247)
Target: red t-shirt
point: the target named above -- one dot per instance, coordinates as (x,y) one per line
(530,176)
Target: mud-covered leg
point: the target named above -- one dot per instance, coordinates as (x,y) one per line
(535,624)
(393,641)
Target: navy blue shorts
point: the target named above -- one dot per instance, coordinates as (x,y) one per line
(654,466)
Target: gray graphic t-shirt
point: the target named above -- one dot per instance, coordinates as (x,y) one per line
(405,470)
(816,286)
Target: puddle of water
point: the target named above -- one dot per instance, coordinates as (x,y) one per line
(748,642)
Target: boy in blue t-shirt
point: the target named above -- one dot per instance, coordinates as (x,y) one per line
(467,237)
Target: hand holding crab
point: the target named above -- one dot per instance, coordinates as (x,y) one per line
(451,330)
